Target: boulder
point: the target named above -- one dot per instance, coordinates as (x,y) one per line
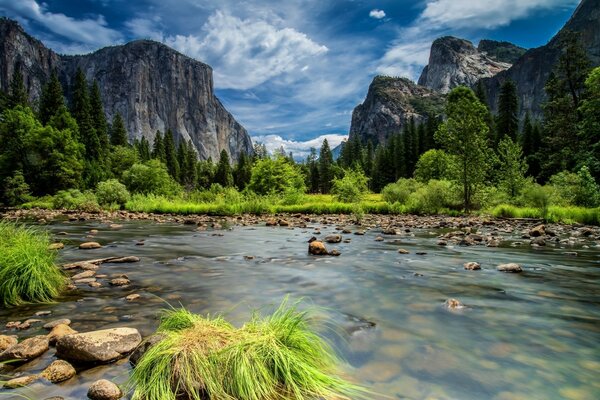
(510,267)
(536,231)
(317,248)
(58,371)
(104,390)
(27,350)
(334,238)
(102,346)
(90,245)
(59,331)
(472,266)
(7,341)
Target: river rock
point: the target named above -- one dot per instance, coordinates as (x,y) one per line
(536,231)
(90,245)
(104,390)
(58,371)
(59,331)
(139,351)
(335,238)
(56,246)
(317,248)
(21,381)
(379,239)
(120,282)
(102,346)
(510,267)
(7,341)
(472,266)
(123,260)
(27,350)
(63,321)
(403,251)
(83,275)
(132,297)
(335,253)
(538,241)
(453,304)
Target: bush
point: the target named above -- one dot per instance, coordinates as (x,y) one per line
(151,177)
(16,190)
(277,175)
(274,357)
(431,198)
(565,185)
(112,192)
(351,188)
(539,197)
(75,200)
(28,273)
(400,191)
(433,164)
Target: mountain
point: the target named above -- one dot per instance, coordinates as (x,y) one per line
(153,87)
(389,105)
(531,71)
(454,62)
(505,52)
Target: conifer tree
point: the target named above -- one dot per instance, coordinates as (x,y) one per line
(171,155)
(118,133)
(325,168)
(313,171)
(51,100)
(17,94)
(243,171)
(507,123)
(223,175)
(98,116)
(158,148)
(143,149)
(81,111)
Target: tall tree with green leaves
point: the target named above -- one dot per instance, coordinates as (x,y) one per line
(464,136)
(243,171)
(51,100)
(143,149)
(188,160)
(512,166)
(98,116)
(17,95)
(507,121)
(158,148)
(171,155)
(325,167)
(313,171)
(589,127)
(81,110)
(118,133)
(223,174)
(564,89)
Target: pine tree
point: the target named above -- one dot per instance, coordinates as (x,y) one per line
(223,174)
(188,160)
(243,171)
(51,100)
(325,167)
(98,116)
(81,111)
(369,157)
(589,128)
(507,122)
(17,95)
(118,133)
(158,148)
(480,93)
(181,150)
(512,166)
(143,149)
(171,155)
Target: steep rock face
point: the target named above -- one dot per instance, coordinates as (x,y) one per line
(505,52)
(454,62)
(153,87)
(532,70)
(389,105)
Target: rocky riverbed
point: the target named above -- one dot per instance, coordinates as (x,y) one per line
(424,307)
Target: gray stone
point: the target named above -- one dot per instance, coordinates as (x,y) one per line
(102,346)
(510,267)
(27,350)
(63,321)
(334,238)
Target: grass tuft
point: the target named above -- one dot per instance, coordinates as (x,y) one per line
(28,273)
(277,357)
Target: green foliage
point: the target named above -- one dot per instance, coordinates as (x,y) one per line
(143,149)
(512,166)
(121,158)
(118,133)
(223,173)
(172,162)
(51,100)
(187,160)
(75,200)
(81,110)
(432,198)
(150,177)
(112,192)
(98,117)
(28,273)
(15,190)
(326,172)
(589,128)
(276,175)
(243,171)
(538,197)
(433,164)
(507,122)
(351,188)
(464,135)
(17,94)
(205,173)
(273,357)
(158,148)
(400,191)
(588,193)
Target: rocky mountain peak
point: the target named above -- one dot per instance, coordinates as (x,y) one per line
(454,62)
(500,51)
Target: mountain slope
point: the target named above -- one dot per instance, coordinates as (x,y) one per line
(153,87)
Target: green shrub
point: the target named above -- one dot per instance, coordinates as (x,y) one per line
(400,191)
(150,177)
(431,198)
(16,190)
(273,357)
(73,199)
(275,176)
(588,193)
(112,192)
(28,273)
(351,188)
(433,164)
(539,197)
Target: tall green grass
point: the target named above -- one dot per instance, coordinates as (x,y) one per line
(555,214)
(28,273)
(277,357)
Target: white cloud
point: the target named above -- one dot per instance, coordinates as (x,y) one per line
(89,33)
(299,149)
(142,28)
(377,14)
(487,14)
(247,52)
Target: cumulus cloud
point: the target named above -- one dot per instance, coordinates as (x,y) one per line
(85,34)
(248,52)
(377,14)
(299,149)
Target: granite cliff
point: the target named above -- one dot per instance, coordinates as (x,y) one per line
(153,87)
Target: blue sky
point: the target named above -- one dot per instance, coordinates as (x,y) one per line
(291,71)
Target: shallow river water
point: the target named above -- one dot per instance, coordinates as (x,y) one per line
(534,335)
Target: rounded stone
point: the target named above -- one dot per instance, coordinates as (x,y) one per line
(104,390)
(58,371)
(510,267)
(90,245)
(472,266)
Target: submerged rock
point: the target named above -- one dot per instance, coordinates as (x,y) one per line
(317,248)
(335,238)
(102,346)
(104,390)
(453,304)
(472,266)
(58,371)
(510,267)
(90,245)
(27,350)
(403,251)
(21,381)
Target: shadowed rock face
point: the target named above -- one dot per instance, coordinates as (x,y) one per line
(389,106)
(153,87)
(531,71)
(454,62)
